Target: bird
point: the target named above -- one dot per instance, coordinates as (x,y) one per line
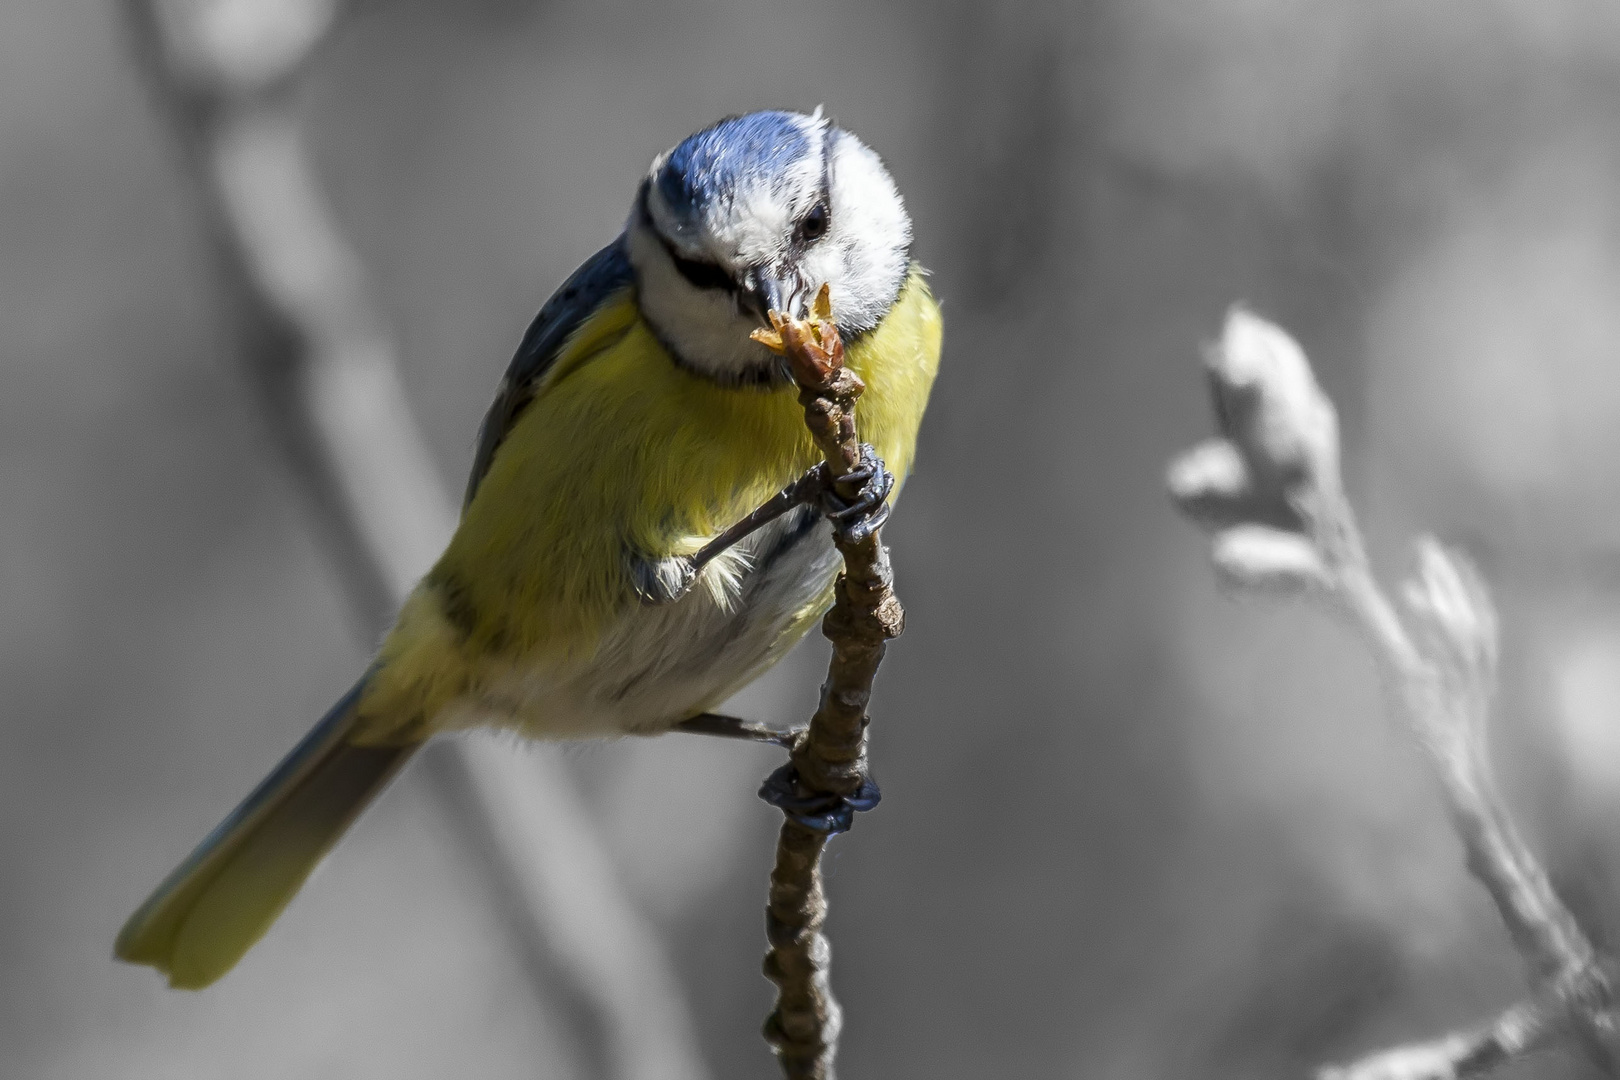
(598,583)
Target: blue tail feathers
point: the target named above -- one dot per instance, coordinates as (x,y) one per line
(215,905)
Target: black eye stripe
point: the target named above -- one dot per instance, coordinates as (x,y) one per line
(703,275)
(698,274)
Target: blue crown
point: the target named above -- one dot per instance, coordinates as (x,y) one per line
(727,156)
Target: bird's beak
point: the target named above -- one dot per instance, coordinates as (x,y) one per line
(765,291)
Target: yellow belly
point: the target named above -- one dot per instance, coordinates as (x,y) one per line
(621,454)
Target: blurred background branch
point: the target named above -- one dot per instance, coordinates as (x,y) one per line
(320,357)
(1269,490)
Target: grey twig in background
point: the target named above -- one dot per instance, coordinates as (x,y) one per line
(1270,492)
(829,757)
(321,358)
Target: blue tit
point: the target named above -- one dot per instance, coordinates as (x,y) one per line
(637,422)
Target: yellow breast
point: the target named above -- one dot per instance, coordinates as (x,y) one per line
(621,453)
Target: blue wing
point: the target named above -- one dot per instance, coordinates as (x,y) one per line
(602,275)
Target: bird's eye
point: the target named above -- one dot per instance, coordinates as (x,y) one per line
(814,225)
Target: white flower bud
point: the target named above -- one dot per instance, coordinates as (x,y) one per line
(1260,557)
(1451,610)
(1212,469)
(1211,484)
(1270,405)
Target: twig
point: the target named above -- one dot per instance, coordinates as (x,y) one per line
(1269,490)
(320,357)
(1521,1029)
(829,758)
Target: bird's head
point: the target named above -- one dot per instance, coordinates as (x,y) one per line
(756,213)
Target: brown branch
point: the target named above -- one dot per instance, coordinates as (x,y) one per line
(1270,491)
(829,758)
(319,355)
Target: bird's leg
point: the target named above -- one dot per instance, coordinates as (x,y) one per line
(853,517)
(666,580)
(807,488)
(856,505)
(830,814)
(733,727)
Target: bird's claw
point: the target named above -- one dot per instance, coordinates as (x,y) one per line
(853,520)
(819,811)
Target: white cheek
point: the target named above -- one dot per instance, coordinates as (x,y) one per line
(866,254)
(703,327)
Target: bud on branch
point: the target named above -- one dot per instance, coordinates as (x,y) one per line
(1268,490)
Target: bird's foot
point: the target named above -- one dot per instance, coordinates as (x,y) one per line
(820,811)
(857,517)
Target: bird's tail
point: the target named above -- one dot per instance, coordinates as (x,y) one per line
(216,904)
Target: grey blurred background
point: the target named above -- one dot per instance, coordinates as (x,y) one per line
(1131,829)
